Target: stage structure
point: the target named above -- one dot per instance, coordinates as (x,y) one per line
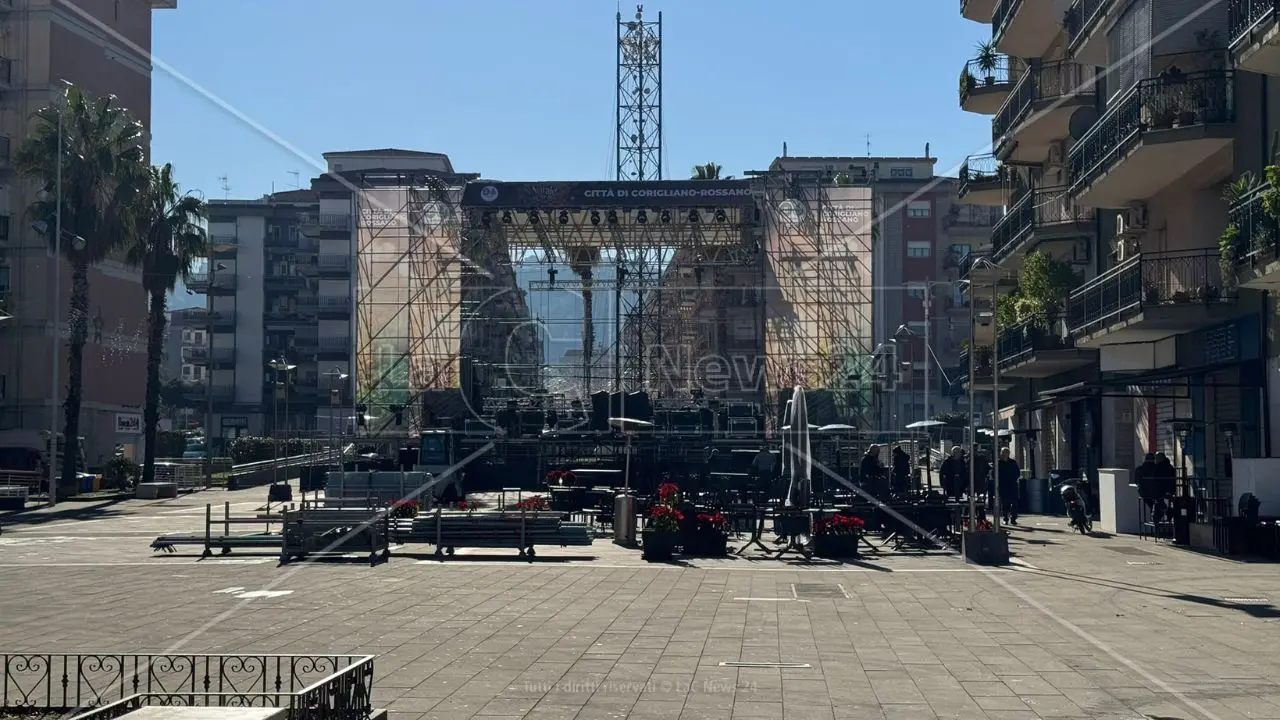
(638,136)
(427,297)
(663,247)
(818,239)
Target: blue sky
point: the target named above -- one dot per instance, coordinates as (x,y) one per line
(524,89)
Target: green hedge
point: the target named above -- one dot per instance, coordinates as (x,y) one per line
(256,449)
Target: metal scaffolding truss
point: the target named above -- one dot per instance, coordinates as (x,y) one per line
(422,294)
(818,291)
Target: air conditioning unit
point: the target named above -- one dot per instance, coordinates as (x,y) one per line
(1132,221)
(1057,154)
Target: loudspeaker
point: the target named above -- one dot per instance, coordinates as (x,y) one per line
(600,410)
(638,406)
(408,458)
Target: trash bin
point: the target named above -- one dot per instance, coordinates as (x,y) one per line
(1183,512)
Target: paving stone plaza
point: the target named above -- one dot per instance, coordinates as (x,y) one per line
(1081,627)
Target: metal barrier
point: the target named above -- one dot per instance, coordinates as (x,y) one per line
(102,686)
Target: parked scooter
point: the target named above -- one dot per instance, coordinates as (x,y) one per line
(1075,494)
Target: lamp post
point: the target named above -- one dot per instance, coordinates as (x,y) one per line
(996,282)
(213,268)
(281,368)
(336,384)
(54,382)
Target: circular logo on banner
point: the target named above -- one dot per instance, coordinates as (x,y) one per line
(488,193)
(435,213)
(792,210)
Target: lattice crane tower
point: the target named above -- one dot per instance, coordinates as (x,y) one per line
(639,104)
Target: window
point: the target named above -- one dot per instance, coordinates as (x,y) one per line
(961,251)
(197,337)
(916,290)
(919,249)
(919,209)
(901,172)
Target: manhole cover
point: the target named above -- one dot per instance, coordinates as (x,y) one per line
(1246,601)
(1125,550)
(814,591)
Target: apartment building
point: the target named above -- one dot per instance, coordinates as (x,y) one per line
(101,47)
(186,340)
(924,232)
(1120,126)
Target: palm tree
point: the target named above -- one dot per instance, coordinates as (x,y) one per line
(103,169)
(170,238)
(708,171)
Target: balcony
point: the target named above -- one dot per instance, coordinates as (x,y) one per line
(972,220)
(1152,136)
(1037,113)
(978,10)
(285,282)
(314,223)
(195,354)
(222,355)
(983,370)
(984,90)
(335,345)
(1025,28)
(222,320)
(1254,28)
(1151,297)
(1258,242)
(1086,22)
(334,305)
(1029,350)
(220,242)
(982,181)
(1039,216)
(199,392)
(286,319)
(222,283)
(334,264)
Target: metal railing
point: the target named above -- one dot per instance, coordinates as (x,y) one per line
(982,366)
(333,262)
(1022,341)
(1082,18)
(1150,280)
(334,302)
(103,686)
(219,318)
(1007,70)
(1005,10)
(1159,103)
(1244,16)
(966,263)
(1040,82)
(1036,208)
(980,169)
(195,353)
(341,343)
(973,216)
(327,221)
(1257,230)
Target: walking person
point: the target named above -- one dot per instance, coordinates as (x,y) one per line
(1008,476)
(955,474)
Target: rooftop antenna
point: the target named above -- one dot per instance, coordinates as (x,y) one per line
(868,136)
(294,173)
(225,183)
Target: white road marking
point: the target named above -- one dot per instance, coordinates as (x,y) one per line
(755,599)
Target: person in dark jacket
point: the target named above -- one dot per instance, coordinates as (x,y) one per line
(955,474)
(1147,477)
(901,471)
(1166,476)
(871,472)
(1007,476)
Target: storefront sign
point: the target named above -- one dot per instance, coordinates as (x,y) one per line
(128,424)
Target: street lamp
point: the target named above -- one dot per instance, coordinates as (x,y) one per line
(59,105)
(281,367)
(208,369)
(337,380)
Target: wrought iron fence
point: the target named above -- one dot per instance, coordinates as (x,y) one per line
(1157,279)
(982,365)
(1160,103)
(1018,343)
(1257,230)
(967,262)
(1082,18)
(1040,81)
(1245,15)
(1037,207)
(980,169)
(105,685)
(1005,10)
(1006,70)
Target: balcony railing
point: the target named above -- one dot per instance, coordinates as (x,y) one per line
(1257,235)
(195,354)
(222,318)
(981,169)
(982,366)
(340,343)
(974,77)
(966,264)
(1022,341)
(1005,9)
(326,221)
(222,354)
(334,302)
(1160,103)
(1036,208)
(334,262)
(1244,16)
(973,216)
(1157,279)
(1041,81)
(1083,17)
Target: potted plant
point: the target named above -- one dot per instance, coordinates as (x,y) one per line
(1151,293)
(967,83)
(836,536)
(404,509)
(987,60)
(533,503)
(662,531)
(709,536)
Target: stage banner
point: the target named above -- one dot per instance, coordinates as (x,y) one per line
(603,194)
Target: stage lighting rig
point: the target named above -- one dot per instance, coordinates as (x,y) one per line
(642,217)
(595,217)
(506,217)
(486,219)
(564,217)
(665,217)
(535,217)
(693,216)
(721,216)
(613,217)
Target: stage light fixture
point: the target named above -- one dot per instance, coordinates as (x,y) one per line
(534,217)
(642,217)
(506,217)
(595,217)
(486,218)
(613,217)
(693,216)
(564,217)
(720,216)
(665,216)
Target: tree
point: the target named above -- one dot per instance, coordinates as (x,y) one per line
(1043,284)
(101,151)
(708,171)
(169,239)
